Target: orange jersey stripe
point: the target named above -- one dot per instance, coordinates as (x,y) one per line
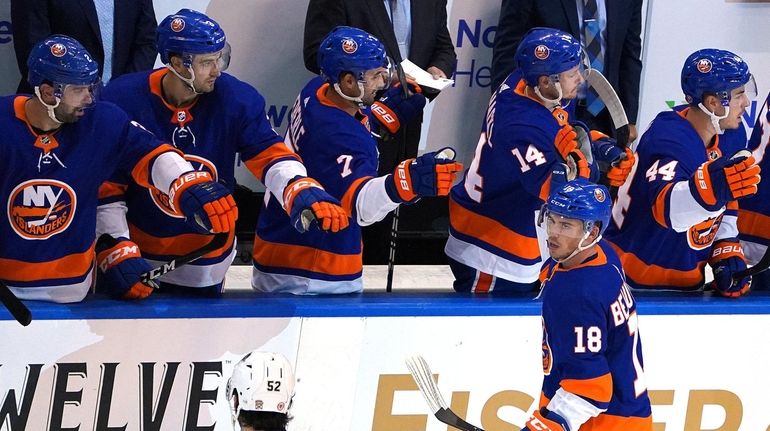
(347,199)
(70,266)
(257,164)
(141,172)
(176,245)
(110,189)
(753,223)
(654,275)
(492,232)
(597,389)
(483,283)
(659,208)
(605,422)
(305,258)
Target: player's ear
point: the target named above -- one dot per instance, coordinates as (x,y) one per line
(711,102)
(348,82)
(46,93)
(544,81)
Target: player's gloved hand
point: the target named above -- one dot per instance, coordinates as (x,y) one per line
(207,203)
(545,420)
(431,174)
(565,141)
(727,259)
(394,108)
(605,149)
(619,171)
(120,266)
(719,181)
(578,166)
(307,202)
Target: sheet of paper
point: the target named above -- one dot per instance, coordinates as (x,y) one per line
(423,78)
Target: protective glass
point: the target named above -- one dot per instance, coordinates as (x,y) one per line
(381,77)
(79,96)
(204,63)
(559,225)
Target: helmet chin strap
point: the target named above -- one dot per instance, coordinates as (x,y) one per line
(715,118)
(49,108)
(188,81)
(551,104)
(356,99)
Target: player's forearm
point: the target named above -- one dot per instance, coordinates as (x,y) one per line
(685,211)
(574,409)
(166,168)
(111,219)
(279,175)
(373,202)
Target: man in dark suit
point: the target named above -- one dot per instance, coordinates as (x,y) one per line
(133,36)
(621,22)
(426,43)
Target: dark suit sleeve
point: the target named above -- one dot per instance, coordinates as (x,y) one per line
(443,56)
(322,16)
(143,50)
(30,26)
(631,63)
(516,18)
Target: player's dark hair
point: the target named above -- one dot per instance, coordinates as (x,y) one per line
(264,421)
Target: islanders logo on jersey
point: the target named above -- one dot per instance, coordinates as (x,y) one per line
(161,199)
(58,50)
(542,52)
(349,46)
(704,65)
(701,235)
(547,354)
(177,25)
(41,208)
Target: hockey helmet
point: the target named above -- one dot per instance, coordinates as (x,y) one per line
(261,381)
(349,49)
(546,52)
(60,60)
(190,32)
(715,71)
(581,200)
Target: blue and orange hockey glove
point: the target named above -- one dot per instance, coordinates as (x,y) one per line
(208,204)
(619,160)
(394,108)
(719,181)
(120,265)
(727,259)
(545,420)
(431,174)
(307,202)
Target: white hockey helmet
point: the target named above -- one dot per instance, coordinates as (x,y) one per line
(261,381)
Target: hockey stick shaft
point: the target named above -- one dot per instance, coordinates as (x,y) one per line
(18,310)
(218,241)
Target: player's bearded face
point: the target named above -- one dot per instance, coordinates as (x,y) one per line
(570,81)
(374,81)
(564,235)
(74,101)
(207,68)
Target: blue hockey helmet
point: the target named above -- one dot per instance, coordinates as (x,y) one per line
(715,71)
(582,200)
(189,32)
(60,60)
(349,49)
(545,52)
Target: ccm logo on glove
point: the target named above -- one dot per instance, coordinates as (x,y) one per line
(119,255)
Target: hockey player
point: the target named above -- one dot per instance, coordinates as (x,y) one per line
(592,352)
(211,116)
(754,211)
(678,212)
(329,128)
(260,392)
(58,147)
(492,242)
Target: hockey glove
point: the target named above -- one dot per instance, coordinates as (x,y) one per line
(306,202)
(578,166)
(394,108)
(120,268)
(207,203)
(605,149)
(719,181)
(565,141)
(727,259)
(431,174)
(545,420)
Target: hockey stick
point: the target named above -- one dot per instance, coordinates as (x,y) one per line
(618,115)
(18,310)
(424,378)
(760,266)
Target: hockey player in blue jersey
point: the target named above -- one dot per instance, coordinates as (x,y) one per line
(212,117)
(592,350)
(493,245)
(678,211)
(329,128)
(58,147)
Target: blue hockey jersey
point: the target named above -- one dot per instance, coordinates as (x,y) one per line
(339,151)
(210,131)
(664,243)
(591,344)
(492,211)
(49,183)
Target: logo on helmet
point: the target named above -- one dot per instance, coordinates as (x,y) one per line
(704,65)
(349,46)
(542,52)
(177,25)
(40,209)
(599,195)
(58,50)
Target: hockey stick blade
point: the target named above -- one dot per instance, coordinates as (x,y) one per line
(18,310)
(218,241)
(423,377)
